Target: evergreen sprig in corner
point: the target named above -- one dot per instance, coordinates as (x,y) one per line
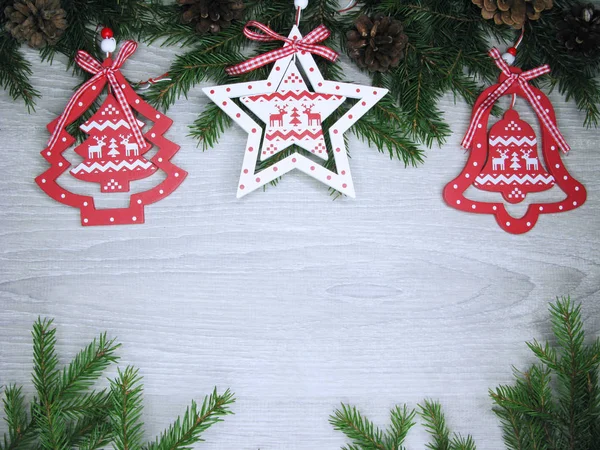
(68,414)
(555,404)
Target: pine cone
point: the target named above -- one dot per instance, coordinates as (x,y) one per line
(580,30)
(512,12)
(39,22)
(377,43)
(211,15)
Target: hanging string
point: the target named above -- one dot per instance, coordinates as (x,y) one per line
(520,38)
(300,5)
(513,52)
(144,85)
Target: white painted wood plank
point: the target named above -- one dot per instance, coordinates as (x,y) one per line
(295,301)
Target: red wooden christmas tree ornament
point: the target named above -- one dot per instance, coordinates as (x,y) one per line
(506,160)
(114,153)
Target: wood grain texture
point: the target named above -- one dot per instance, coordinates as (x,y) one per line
(295,301)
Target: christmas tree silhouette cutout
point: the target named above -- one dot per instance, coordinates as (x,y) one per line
(295,117)
(113,148)
(515,161)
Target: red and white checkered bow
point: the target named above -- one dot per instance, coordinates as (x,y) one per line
(306,44)
(89,64)
(523,80)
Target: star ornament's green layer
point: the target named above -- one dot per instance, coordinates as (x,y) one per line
(273,100)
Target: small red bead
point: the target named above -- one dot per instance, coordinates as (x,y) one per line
(106,33)
(512,51)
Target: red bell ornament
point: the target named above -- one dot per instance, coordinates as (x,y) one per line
(506,160)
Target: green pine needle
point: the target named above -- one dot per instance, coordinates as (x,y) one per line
(357,428)
(19,431)
(67,414)
(126,411)
(91,404)
(402,420)
(184,433)
(47,414)
(556,403)
(87,366)
(435,424)
(98,437)
(15,71)
(462,443)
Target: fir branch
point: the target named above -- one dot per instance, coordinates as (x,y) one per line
(90,404)
(435,424)
(528,404)
(578,367)
(575,76)
(45,375)
(48,418)
(90,431)
(402,420)
(211,55)
(357,428)
(511,428)
(99,436)
(20,430)
(87,366)
(183,433)
(126,411)
(210,125)
(67,415)
(385,136)
(531,417)
(189,70)
(15,71)
(462,443)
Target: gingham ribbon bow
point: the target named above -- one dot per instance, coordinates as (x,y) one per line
(523,80)
(89,64)
(306,44)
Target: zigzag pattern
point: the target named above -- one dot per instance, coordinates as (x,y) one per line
(108,124)
(512,140)
(111,165)
(294,134)
(515,179)
(295,95)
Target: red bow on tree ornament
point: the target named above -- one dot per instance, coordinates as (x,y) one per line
(507,161)
(114,154)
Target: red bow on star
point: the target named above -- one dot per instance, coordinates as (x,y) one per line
(306,44)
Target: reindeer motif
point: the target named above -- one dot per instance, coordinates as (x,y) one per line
(499,162)
(531,162)
(278,118)
(96,149)
(311,116)
(129,147)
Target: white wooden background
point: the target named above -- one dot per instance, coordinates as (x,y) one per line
(294,301)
